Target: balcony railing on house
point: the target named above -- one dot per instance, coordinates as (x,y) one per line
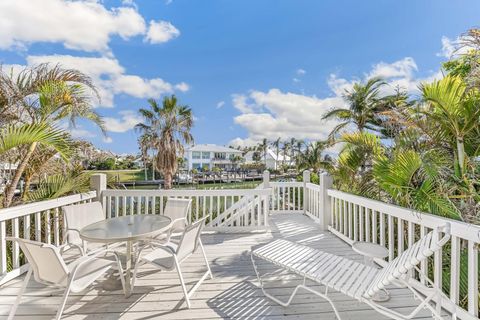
(349,217)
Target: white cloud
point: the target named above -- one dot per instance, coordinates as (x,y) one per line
(111,78)
(81,25)
(128,119)
(78,131)
(296,80)
(403,68)
(107,139)
(220,104)
(301,72)
(240,103)
(453,47)
(182,86)
(161,31)
(274,113)
(398,74)
(141,88)
(448,47)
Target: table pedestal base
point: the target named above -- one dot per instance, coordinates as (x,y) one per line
(112,283)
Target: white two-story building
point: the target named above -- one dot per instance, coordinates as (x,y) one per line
(205,157)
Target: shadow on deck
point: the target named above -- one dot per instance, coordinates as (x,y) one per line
(232,294)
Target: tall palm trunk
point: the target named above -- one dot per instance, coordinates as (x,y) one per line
(154,163)
(26,186)
(461,154)
(167,176)
(10,189)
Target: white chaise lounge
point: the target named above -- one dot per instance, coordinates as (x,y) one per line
(355,279)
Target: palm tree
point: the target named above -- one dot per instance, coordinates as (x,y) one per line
(145,143)
(235,160)
(363,102)
(276,145)
(293,142)
(285,148)
(412,180)
(353,168)
(312,157)
(39,160)
(455,113)
(298,149)
(45,95)
(263,148)
(169,126)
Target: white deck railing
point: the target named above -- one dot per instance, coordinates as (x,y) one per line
(287,197)
(226,210)
(354,218)
(40,221)
(350,217)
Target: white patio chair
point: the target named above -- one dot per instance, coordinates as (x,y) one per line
(78,216)
(169,256)
(49,268)
(177,209)
(357,280)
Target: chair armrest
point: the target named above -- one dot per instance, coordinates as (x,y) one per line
(87,258)
(446,230)
(166,248)
(68,231)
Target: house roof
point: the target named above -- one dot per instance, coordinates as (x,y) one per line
(270,155)
(213,148)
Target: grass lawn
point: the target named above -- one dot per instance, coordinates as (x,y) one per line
(138,175)
(123,175)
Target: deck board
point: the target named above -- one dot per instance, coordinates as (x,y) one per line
(232,294)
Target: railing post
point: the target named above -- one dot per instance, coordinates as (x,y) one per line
(326,182)
(98,182)
(266,185)
(306,179)
(266,179)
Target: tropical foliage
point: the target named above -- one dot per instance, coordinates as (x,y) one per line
(418,151)
(36,105)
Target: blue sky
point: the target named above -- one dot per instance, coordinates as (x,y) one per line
(248,69)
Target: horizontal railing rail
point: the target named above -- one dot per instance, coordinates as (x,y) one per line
(41,221)
(250,214)
(354,218)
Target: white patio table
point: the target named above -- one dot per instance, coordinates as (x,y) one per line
(127,229)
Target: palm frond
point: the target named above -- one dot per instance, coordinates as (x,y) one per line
(14,136)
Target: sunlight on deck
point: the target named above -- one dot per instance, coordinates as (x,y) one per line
(233,293)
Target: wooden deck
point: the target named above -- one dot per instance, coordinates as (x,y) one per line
(233,293)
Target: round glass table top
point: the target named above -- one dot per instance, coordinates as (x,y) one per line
(126,228)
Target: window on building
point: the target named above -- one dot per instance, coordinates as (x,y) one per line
(196,155)
(197,166)
(220,155)
(205,155)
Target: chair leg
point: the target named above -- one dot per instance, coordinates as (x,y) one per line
(19,296)
(182,282)
(120,271)
(62,304)
(138,262)
(205,258)
(300,286)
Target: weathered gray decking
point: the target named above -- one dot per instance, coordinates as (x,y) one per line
(233,293)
